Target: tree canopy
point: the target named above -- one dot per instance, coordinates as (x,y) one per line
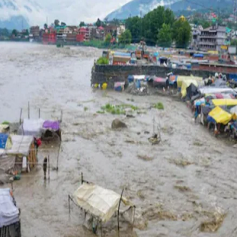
(181,33)
(125,37)
(149,26)
(108,38)
(56,22)
(233,42)
(82,23)
(165,36)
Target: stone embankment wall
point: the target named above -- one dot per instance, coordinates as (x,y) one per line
(117,73)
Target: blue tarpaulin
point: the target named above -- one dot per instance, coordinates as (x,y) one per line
(130,78)
(3,140)
(197,55)
(233,77)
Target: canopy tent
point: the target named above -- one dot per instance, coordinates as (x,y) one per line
(191,91)
(9,213)
(214,90)
(218,115)
(160,82)
(51,125)
(99,202)
(186,84)
(181,79)
(227,102)
(32,127)
(20,145)
(219,83)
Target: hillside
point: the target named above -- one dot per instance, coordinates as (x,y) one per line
(18,14)
(136,7)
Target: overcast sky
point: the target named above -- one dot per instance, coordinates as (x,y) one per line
(74,11)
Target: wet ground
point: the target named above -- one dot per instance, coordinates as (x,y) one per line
(183,187)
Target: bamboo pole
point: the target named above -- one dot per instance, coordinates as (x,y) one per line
(20,116)
(69,204)
(28,110)
(119,208)
(48,168)
(82,178)
(61,119)
(58,155)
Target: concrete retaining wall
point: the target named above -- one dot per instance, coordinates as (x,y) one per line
(117,73)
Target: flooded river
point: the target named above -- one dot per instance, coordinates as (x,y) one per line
(183,187)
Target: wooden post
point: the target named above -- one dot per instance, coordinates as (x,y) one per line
(101,228)
(20,116)
(61,119)
(119,207)
(69,204)
(48,168)
(82,178)
(58,155)
(39,113)
(28,110)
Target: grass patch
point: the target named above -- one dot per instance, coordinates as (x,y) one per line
(85,109)
(159,106)
(118,109)
(100,112)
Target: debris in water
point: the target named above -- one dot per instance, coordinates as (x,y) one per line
(145,157)
(181,162)
(214,223)
(155,139)
(182,188)
(118,124)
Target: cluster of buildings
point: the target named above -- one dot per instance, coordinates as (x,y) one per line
(74,34)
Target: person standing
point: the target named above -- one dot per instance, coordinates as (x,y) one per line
(45,164)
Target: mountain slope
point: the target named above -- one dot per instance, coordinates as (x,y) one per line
(15,14)
(136,7)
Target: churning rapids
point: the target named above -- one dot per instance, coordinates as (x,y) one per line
(183,187)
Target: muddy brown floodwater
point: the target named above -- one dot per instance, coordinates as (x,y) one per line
(183,187)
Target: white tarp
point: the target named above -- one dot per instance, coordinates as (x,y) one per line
(9,213)
(98,201)
(32,127)
(20,145)
(214,90)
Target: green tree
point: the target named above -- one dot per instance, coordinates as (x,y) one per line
(233,42)
(205,24)
(165,36)
(108,38)
(134,25)
(14,32)
(82,23)
(45,26)
(125,37)
(149,26)
(56,22)
(98,23)
(181,33)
